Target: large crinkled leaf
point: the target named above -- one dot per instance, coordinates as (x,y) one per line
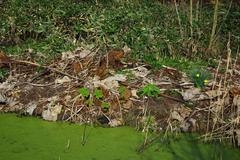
(52,109)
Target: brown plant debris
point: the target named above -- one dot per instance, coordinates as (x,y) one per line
(112,98)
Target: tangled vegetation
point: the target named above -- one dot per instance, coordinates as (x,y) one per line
(155,32)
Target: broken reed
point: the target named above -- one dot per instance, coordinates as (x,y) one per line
(223,118)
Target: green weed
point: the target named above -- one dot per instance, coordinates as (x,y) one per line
(3,73)
(150,90)
(105,106)
(122,91)
(98,94)
(84,92)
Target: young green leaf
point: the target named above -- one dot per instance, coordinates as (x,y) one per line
(105,105)
(84,92)
(122,91)
(150,90)
(98,94)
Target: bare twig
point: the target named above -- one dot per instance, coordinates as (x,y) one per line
(43,66)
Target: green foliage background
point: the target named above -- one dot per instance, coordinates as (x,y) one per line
(148,27)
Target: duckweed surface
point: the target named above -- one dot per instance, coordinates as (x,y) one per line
(31,138)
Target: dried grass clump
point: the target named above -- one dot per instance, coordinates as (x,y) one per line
(224,111)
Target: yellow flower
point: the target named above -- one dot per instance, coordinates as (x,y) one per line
(197,75)
(205,81)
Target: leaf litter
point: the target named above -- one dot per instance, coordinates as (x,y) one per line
(51,91)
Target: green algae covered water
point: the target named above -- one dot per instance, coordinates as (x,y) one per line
(34,139)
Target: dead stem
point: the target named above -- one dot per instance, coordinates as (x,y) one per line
(84,138)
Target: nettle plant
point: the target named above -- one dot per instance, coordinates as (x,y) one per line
(200,77)
(97,93)
(150,90)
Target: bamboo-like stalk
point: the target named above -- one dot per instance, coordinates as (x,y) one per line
(197,18)
(191,17)
(215,21)
(179,20)
(223,21)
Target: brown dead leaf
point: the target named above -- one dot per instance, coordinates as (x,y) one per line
(77,67)
(97,102)
(134,93)
(38,111)
(4,59)
(127,94)
(172,73)
(101,71)
(140,72)
(115,122)
(126,50)
(213,93)
(82,53)
(31,107)
(111,60)
(128,104)
(234,91)
(114,106)
(115,55)
(238,136)
(52,109)
(105,91)
(236,101)
(63,80)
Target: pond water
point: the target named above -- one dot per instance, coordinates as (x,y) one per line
(34,139)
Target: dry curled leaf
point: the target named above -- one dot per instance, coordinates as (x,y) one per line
(111,60)
(4,59)
(134,93)
(65,79)
(31,106)
(236,101)
(234,91)
(214,93)
(140,71)
(52,109)
(115,55)
(172,73)
(126,50)
(77,67)
(128,104)
(82,53)
(127,94)
(116,122)
(238,137)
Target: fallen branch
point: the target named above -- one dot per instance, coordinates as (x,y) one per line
(43,66)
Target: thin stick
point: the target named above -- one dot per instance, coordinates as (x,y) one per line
(45,67)
(237,56)
(38,85)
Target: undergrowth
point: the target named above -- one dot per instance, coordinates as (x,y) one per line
(149,28)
